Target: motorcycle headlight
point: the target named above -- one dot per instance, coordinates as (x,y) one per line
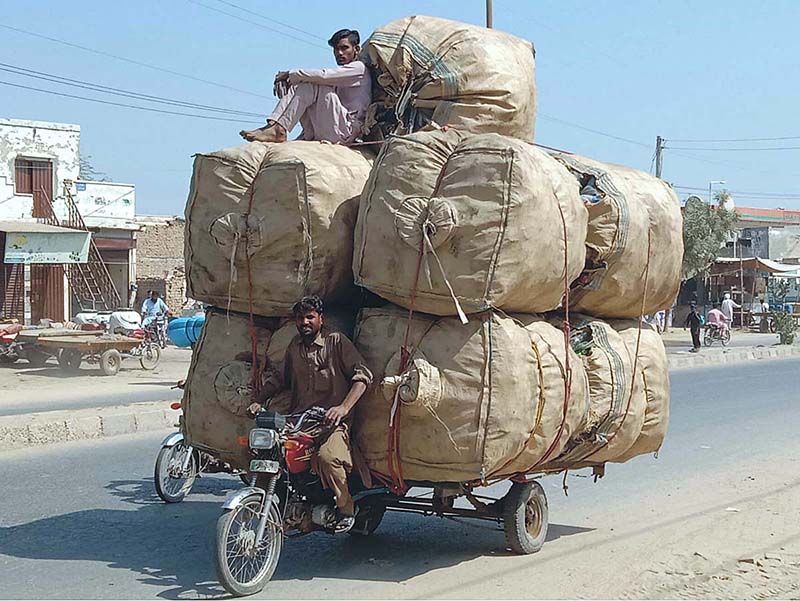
(261,438)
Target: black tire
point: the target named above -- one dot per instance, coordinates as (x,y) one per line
(725,338)
(151,356)
(369,515)
(235,533)
(525,517)
(708,340)
(171,484)
(36,357)
(110,362)
(9,358)
(70,359)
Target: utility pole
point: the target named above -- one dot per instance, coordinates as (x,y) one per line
(489,14)
(659,155)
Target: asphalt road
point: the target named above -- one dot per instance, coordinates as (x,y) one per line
(82,520)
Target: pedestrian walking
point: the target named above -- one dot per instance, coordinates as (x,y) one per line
(693,322)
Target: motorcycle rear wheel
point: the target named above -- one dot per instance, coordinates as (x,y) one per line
(243,569)
(171,487)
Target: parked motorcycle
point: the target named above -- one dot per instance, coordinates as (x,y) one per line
(10,350)
(715,332)
(286,499)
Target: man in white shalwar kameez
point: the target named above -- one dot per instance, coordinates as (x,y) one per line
(330,104)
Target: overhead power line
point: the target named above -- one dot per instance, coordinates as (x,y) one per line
(772,148)
(589,129)
(723,140)
(268,28)
(41,75)
(267,18)
(132,61)
(121,104)
(766,195)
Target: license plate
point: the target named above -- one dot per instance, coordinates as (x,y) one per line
(264,466)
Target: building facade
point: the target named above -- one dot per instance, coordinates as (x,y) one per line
(40,182)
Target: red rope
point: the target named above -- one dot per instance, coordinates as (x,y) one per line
(255,380)
(398,485)
(635,358)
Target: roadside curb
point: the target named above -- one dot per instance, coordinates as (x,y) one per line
(732,356)
(51,427)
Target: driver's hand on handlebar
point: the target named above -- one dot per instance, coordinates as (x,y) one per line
(253,409)
(335,416)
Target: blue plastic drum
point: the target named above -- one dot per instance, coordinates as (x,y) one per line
(185,331)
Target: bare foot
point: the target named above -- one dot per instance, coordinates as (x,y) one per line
(269,133)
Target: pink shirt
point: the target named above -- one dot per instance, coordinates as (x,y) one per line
(352,82)
(716,316)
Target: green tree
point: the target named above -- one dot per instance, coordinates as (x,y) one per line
(705,229)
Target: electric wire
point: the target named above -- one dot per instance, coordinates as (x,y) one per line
(262,16)
(117,91)
(268,28)
(120,104)
(132,61)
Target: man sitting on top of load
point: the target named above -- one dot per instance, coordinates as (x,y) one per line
(330,104)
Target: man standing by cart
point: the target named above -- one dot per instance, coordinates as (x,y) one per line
(325,370)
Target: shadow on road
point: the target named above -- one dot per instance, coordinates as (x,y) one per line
(171,546)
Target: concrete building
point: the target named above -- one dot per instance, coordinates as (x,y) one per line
(40,182)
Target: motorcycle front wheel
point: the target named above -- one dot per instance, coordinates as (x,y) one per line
(244,566)
(151,355)
(725,338)
(172,482)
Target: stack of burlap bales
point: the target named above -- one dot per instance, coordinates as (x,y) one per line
(475,238)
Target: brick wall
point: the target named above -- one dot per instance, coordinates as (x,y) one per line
(159,261)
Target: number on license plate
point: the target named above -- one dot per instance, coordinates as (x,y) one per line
(264,466)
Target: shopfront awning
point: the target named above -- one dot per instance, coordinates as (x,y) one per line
(759,264)
(30,242)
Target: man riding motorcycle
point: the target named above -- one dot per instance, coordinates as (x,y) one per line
(325,370)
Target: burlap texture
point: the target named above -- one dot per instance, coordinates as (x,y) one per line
(449,73)
(654,367)
(616,396)
(299,233)
(636,229)
(488,400)
(490,214)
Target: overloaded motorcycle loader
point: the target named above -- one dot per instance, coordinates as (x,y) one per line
(493,292)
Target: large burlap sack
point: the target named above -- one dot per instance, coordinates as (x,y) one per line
(616,396)
(432,70)
(218,389)
(478,401)
(635,230)
(489,213)
(299,232)
(653,364)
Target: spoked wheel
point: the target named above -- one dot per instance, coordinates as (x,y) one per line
(172,481)
(151,355)
(243,566)
(725,338)
(525,517)
(708,340)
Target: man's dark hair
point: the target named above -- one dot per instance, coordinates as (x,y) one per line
(306,304)
(351,34)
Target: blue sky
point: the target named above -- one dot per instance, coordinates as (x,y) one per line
(680,69)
